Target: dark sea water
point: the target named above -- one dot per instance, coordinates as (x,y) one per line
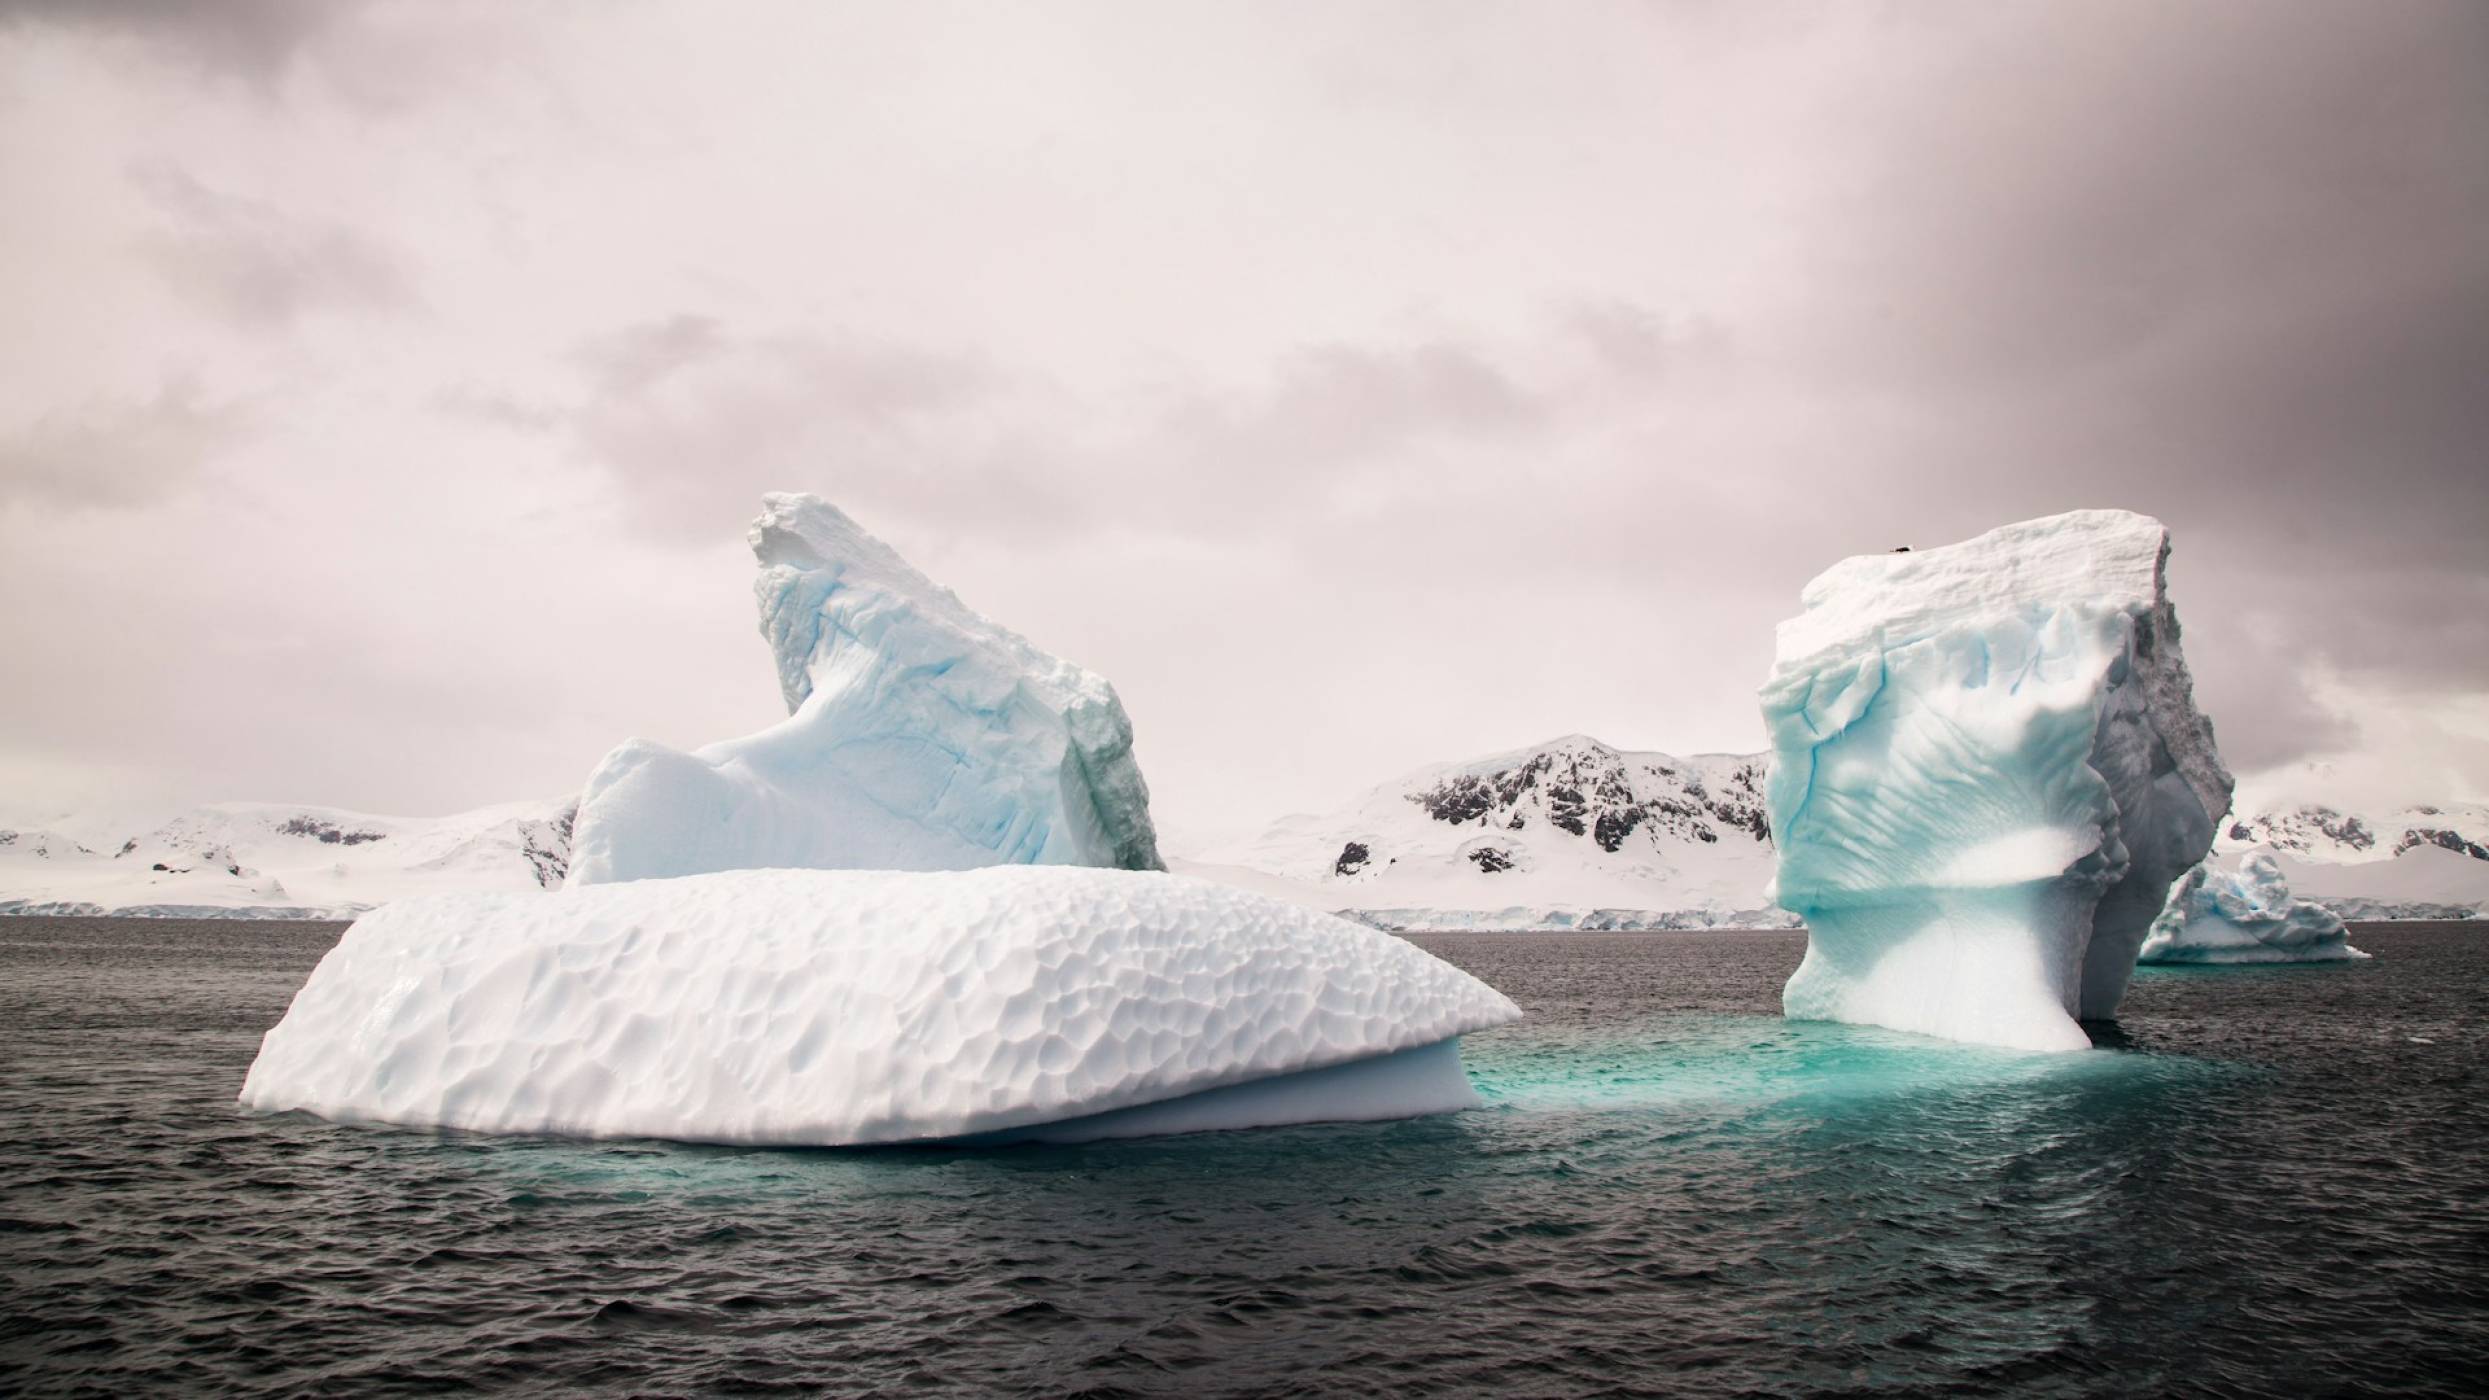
(2276,1181)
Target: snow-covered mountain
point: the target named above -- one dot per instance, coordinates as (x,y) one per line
(1567,834)
(1576,834)
(1570,833)
(2339,836)
(2371,862)
(267,860)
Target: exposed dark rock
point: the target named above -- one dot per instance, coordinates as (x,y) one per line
(329,833)
(1491,859)
(1588,791)
(1613,827)
(2438,836)
(2298,830)
(1353,857)
(1565,808)
(546,848)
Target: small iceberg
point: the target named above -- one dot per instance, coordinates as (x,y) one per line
(845,1008)
(2247,915)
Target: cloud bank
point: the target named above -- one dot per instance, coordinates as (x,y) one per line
(1358,386)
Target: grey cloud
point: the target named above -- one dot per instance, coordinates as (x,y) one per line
(255,40)
(2217,246)
(1332,404)
(2061,186)
(1336,446)
(260,266)
(625,362)
(697,418)
(383,59)
(2255,688)
(1639,344)
(2218,262)
(1973,263)
(111,455)
(478,404)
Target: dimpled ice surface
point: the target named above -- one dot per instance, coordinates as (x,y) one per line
(919,736)
(854,1007)
(1987,768)
(2247,915)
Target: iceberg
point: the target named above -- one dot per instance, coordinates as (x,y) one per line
(2247,915)
(919,736)
(846,1008)
(1987,769)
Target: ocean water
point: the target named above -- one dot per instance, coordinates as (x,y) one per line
(2271,1181)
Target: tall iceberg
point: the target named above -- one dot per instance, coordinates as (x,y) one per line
(919,736)
(1987,768)
(856,1007)
(2247,915)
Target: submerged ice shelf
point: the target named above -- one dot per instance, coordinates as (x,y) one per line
(2246,915)
(1987,769)
(919,736)
(839,1008)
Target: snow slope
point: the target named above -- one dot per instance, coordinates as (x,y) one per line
(2376,860)
(2427,883)
(1987,770)
(2353,836)
(70,865)
(265,859)
(1570,833)
(857,1007)
(919,736)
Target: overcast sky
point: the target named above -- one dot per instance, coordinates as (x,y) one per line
(384,388)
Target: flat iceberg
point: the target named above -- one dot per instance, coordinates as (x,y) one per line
(1987,768)
(2247,915)
(839,1008)
(919,736)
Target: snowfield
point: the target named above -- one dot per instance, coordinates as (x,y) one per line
(264,860)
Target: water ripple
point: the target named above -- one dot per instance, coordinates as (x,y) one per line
(2278,1181)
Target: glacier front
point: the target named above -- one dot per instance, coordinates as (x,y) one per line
(1987,768)
(919,736)
(842,1008)
(2246,915)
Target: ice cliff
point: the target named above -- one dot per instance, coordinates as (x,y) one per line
(1987,768)
(2247,915)
(919,736)
(856,1007)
